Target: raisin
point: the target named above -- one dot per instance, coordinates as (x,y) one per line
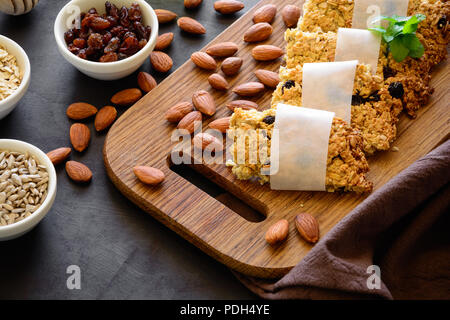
(442,22)
(113,21)
(95,41)
(287,85)
(149,31)
(142,43)
(396,90)
(99,23)
(388,72)
(107,37)
(113,45)
(111,10)
(79,43)
(72,48)
(122,56)
(130,44)
(69,36)
(357,100)
(269,119)
(141,31)
(124,17)
(82,54)
(92,11)
(116,31)
(109,57)
(135,12)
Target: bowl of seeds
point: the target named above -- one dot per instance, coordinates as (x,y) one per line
(27,187)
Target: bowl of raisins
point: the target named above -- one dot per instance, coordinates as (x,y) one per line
(106,40)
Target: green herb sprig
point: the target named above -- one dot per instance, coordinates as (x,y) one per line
(401,36)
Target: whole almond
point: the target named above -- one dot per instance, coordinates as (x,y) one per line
(161,61)
(191,4)
(59,155)
(80,110)
(204,102)
(258,32)
(163,41)
(165,16)
(230,66)
(243,104)
(80,135)
(228,6)
(265,14)
(222,124)
(178,111)
(204,60)
(190,121)
(278,232)
(218,82)
(146,82)
(149,175)
(126,97)
(78,172)
(191,26)
(223,49)
(308,227)
(105,117)
(266,52)
(290,14)
(268,78)
(249,89)
(205,141)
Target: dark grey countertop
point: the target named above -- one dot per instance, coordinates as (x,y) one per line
(123,253)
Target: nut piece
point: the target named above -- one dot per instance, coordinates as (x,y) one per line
(204,61)
(206,141)
(278,232)
(105,117)
(258,32)
(228,6)
(165,16)
(146,82)
(268,78)
(163,41)
(308,227)
(218,82)
(204,102)
(290,14)
(161,61)
(191,26)
(80,135)
(265,14)
(126,97)
(149,175)
(191,4)
(78,172)
(178,111)
(223,49)
(266,52)
(80,110)
(190,121)
(243,104)
(231,66)
(222,124)
(59,155)
(249,89)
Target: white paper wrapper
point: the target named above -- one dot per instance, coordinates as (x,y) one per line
(329,86)
(365,11)
(299,148)
(358,44)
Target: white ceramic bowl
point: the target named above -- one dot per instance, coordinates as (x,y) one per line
(7,105)
(19,228)
(105,70)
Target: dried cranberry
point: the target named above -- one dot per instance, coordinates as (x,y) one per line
(442,22)
(287,85)
(109,57)
(99,23)
(113,45)
(95,41)
(396,90)
(135,12)
(269,119)
(79,43)
(124,17)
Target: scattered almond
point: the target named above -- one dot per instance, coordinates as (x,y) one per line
(204,102)
(191,4)
(80,135)
(243,104)
(161,61)
(190,121)
(223,49)
(191,26)
(290,14)
(258,32)
(278,232)
(308,227)
(59,155)
(163,41)
(268,78)
(126,97)
(205,141)
(78,172)
(178,111)
(218,82)
(265,14)
(204,60)
(228,6)
(80,110)
(146,82)
(266,52)
(231,66)
(105,117)
(165,16)
(222,124)
(149,175)
(249,89)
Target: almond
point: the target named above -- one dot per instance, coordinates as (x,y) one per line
(249,89)
(265,14)
(149,175)
(191,4)
(178,111)
(308,227)
(80,110)
(206,141)
(223,49)
(59,155)
(222,124)
(278,232)
(258,32)
(165,16)
(243,104)
(228,6)
(191,26)
(105,117)
(163,41)
(268,78)
(161,61)
(190,121)
(290,14)
(204,60)
(146,82)
(231,66)
(204,102)
(126,97)
(266,52)
(80,135)
(218,82)
(78,172)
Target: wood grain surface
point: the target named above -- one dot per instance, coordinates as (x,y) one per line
(142,137)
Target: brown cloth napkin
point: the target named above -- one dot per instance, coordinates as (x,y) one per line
(404,228)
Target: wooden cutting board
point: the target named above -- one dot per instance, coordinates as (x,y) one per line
(142,137)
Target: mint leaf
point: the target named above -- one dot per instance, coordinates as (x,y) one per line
(412,24)
(398,50)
